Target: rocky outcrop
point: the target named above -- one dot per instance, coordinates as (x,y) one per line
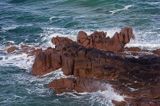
(46,61)
(94,61)
(100,41)
(61,41)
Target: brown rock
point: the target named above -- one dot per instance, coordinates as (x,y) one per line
(77,84)
(122,103)
(46,61)
(143,102)
(100,41)
(63,85)
(91,67)
(61,41)
(82,37)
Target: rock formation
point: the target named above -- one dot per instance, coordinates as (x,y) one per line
(100,41)
(96,60)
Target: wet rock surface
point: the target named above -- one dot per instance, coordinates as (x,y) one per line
(96,60)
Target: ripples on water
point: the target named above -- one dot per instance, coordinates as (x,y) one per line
(35,22)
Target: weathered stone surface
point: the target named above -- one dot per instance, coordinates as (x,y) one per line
(100,41)
(63,85)
(61,41)
(122,103)
(46,61)
(95,65)
(91,66)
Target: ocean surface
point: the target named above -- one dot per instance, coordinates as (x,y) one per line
(35,22)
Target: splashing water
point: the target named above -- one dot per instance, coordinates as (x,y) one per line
(35,22)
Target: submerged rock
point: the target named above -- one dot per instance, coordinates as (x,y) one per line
(11,49)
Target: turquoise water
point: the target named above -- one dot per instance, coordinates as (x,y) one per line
(34,22)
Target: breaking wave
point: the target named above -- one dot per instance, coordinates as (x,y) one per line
(123,9)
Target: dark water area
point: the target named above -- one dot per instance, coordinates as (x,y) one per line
(34,22)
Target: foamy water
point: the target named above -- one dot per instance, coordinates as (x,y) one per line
(123,9)
(35,22)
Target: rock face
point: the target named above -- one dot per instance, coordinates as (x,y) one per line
(94,61)
(100,41)
(61,41)
(46,61)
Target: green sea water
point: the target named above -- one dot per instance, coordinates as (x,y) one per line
(34,22)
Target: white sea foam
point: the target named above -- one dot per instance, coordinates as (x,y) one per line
(118,10)
(145,40)
(22,61)
(11,27)
(147,46)
(105,97)
(153,3)
(108,94)
(49,33)
(58,17)
(101,97)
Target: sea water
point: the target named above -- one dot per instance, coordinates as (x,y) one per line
(35,22)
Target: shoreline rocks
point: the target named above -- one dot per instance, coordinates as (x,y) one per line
(99,40)
(95,60)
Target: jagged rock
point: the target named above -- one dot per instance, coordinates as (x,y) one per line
(94,61)
(100,41)
(61,41)
(46,61)
(89,62)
